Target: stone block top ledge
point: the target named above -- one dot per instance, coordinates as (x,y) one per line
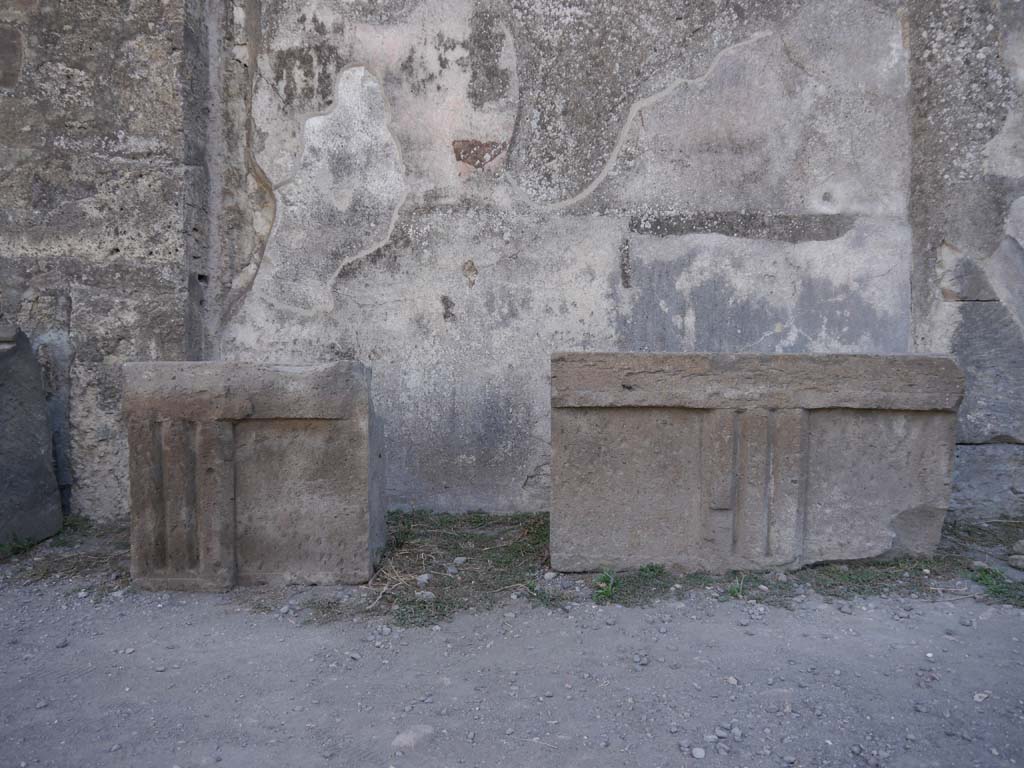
(706,381)
(231,391)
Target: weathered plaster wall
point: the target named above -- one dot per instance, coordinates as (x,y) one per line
(463,187)
(95,175)
(450,190)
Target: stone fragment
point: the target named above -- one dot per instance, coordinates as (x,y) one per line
(412,737)
(1017,561)
(721,462)
(1018,547)
(29,498)
(251,474)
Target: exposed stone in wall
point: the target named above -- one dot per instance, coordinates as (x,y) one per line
(968,76)
(91,210)
(583,67)
(988,482)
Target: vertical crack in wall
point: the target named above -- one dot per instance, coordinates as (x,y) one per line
(202,174)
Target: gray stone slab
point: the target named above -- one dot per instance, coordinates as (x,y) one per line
(718,462)
(989,346)
(250,473)
(29,499)
(988,483)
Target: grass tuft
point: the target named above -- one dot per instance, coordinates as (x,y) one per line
(605,586)
(640,587)
(503,555)
(998,587)
(902,576)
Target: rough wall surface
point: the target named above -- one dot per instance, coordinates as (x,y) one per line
(450,190)
(95,176)
(966,206)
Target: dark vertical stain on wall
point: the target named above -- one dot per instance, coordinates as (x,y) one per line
(625,267)
(11,52)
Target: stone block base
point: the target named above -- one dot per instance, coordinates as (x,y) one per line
(251,474)
(719,462)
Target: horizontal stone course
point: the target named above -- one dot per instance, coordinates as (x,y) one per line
(718,462)
(614,379)
(236,391)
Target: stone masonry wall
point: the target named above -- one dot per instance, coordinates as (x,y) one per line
(448,191)
(96,179)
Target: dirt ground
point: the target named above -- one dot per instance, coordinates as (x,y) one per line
(910,664)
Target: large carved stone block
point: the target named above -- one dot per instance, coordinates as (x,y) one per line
(718,462)
(247,473)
